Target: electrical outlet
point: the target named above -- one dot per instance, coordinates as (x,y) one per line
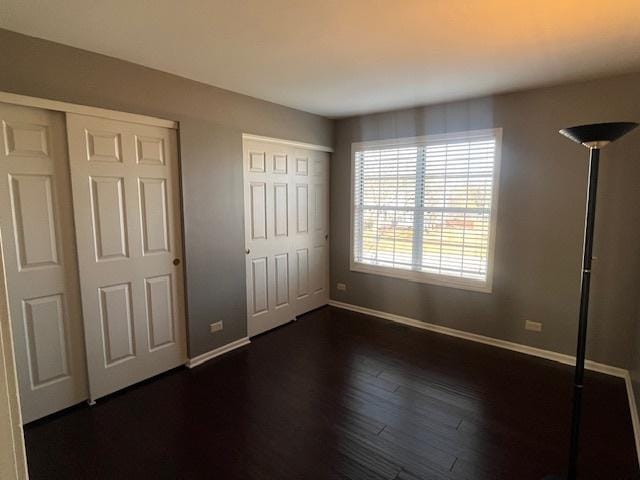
(342,286)
(533,326)
(215,327)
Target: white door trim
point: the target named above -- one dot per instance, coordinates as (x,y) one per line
(291,143)
(13,460)
(55,105)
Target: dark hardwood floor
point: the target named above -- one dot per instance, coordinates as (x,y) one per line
(339,395)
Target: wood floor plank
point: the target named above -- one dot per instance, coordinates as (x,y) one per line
(431,462)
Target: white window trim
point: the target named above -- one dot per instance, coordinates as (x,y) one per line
(425,277)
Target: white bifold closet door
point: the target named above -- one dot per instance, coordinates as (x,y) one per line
(127,217)
(286,232)
(36,224)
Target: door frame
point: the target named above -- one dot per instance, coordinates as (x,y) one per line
(65,107)
(279,141)
(13,459)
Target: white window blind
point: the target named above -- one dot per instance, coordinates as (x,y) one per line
(423,209)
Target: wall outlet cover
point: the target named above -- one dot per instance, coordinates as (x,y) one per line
(216,327)
(342,287)
(533,326)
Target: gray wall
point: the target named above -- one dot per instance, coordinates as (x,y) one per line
(540,220)
(540,210)
(211,124)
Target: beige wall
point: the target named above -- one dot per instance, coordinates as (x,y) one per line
(540,220)
(211,125)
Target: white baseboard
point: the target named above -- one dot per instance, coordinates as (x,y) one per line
(200,359)
(474,337)
(516,347)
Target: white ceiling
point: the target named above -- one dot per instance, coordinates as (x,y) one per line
(342,57)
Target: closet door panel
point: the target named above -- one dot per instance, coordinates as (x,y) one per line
(311,241)
(268,229)
(320,235)
(125,188)
(40,261)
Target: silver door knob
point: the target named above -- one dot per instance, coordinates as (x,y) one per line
(247,251)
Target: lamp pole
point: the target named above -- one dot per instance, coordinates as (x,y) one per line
(594,137)
(587,250)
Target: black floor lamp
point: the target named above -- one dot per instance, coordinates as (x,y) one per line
(594,137)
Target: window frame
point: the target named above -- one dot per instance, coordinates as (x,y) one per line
(485,286)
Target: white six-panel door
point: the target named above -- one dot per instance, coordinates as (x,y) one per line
(127,213)
(311,245)
(36,222)
(286,232)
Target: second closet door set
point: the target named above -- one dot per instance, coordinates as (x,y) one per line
(119,182)
(286,191)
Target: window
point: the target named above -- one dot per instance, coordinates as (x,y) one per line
(424,208)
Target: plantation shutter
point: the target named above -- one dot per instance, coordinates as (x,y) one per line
(426,207)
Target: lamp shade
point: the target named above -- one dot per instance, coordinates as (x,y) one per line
(597,135)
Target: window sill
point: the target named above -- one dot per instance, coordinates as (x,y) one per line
(422,277)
